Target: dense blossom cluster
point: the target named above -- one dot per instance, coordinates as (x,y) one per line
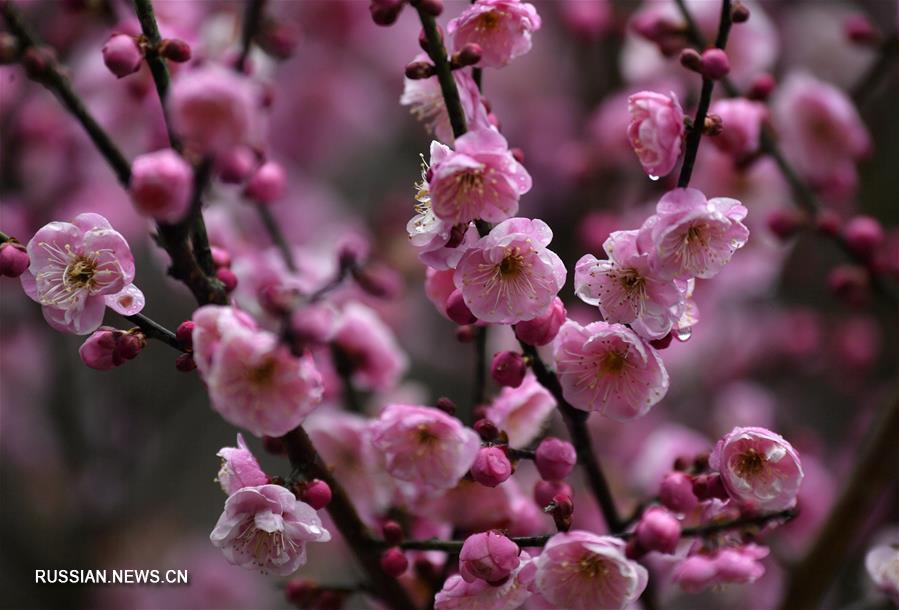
(483,505)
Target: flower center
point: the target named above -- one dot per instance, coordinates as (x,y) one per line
(613,362)
(512,264)
(695,234)
(750,463)
(425,436)
(262,375)
(632,281)
(488,21)
(472,180)
(592,566)
(80,272)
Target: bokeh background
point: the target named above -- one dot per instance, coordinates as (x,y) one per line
(115,469)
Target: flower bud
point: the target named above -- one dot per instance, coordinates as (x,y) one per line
(394,562)
(695,573)
(279,39)
(129,345)
(465,334)
(508,369)
(122,55)
(418,70)
(543,329)
(708,486)
(486,429)
(316,494)
(300,592)
(676,492)
(715,64)
(99,350)
(392,532)
(828,223)
(784,224)
(469,54)
(850,284)
(739,13)
(161,185)
(385,12)
(555,458)
(491,467)
(37,61)
(220,256)
(236,165)
(13,259)
(175,50)
(488,556)
(545,491)
(858,29)
(457,310)
(691,60)
(761,88)
(9,48)
(185,363)
(662,343)
(658,530)
(864,235)
(184,334)
(446,405)
(432,7)
(226,277)
(561,509)
(267,184)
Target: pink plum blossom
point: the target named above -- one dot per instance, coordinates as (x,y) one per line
(742,121)
(608,368)
(424,445)
(656,131)
(214,109)
(759,469)
(239,468)
(502,28)
(78,269)
(458,594)
(691,236)
(882,565)
(522,412)
(488,556)
(211,324)
(738,565)
(625,288)
(256,383)
(266,528)
(424,98)
(509,275)
(478,179)
(544,328)
(161,185)
(820,128)
(377,362)
(580,570)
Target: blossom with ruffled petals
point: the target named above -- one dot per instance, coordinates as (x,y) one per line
(458,594)
(78,269)
(737,565)
(375,359)
(211,323)
(266,528)
(580,570)
(424,445)
(656,131)
(691,236)
(424,98)
(608,368)
(479,178)
(625,288)
(501,28)
(509,275)
(239,468)
(522,412)
(759,469)
(741,125)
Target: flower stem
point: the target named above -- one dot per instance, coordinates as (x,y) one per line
(437,53)
(155,330)
(694,136)
(274,231)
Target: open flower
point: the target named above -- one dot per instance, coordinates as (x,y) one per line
(608,368)
(459,594)
(656,131)
(479,179)
(501,28)
(522,412)
(759,469)
(626,290)
(266,528)
(239,468)
(882,565)
(690,236)
(424,445)
(509,275)
(77,269)
(372,354)
(579,570)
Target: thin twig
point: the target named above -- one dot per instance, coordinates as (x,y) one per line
(437,53)
(155,330)
(879,68)
(274,231)
(158,68)
(252,18)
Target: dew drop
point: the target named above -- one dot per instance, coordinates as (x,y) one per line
(653,178)
(683,334)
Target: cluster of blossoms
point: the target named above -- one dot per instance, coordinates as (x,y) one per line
(286,334)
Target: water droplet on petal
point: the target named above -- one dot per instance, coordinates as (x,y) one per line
(683,334)
(653,178)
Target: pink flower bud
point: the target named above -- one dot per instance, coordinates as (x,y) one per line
(715,64)
(691,60)
(418,70)
(658,530)
(301,593)
(175,50)
(488,556)
(739,13)
(129,345)
(385,12)
(732,565)
(828,222)
(465,334)
(544,328)
(562,510)
(279,39)
(267,184)
(316,494)
(457,310)
(864,235)
(161,185)
(708,486)
(99,350)
(394,562)
(491,467)
(784,224)
(185,363)
(858,29)
(850,284)
(220,257)
(469,54)
(432,7)
(446,405)
(393,532)
(486,429)
(227,277)
(13,259)
(122,55)
(508,369)
(236,165)
(676,492)
(695,573)
(545,491)
(761,88)
(184,334)
(555,458)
